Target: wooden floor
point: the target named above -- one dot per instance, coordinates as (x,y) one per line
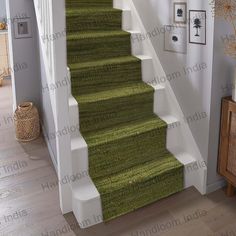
(29,203)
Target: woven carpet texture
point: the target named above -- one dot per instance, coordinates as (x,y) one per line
(128,160)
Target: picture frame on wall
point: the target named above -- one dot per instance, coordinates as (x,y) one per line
(180,12)
(175,39)
(197,27)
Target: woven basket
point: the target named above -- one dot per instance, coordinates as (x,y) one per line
(3,26)
(26,119)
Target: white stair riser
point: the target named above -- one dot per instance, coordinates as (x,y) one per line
(136,46)
(163,103)
(87,213)
(161,108)
(193,172)
(79,156)
(74,117)
(126,20)
(147,69)
(175,134)
(118,4)
(174,138)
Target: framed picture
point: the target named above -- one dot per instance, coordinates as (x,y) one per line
(197,27)
(180,12)
(175,39)
(22,28)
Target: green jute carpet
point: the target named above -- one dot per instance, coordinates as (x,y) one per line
(128,159)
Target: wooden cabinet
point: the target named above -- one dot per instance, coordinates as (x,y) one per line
(4,60)
(227,150)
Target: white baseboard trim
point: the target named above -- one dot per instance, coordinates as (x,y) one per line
(53,157)
(215,186)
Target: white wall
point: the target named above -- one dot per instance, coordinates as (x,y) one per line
(193,90)
(25,50)
(3,13)
(28,84)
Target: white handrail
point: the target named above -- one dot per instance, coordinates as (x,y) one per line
(51,23)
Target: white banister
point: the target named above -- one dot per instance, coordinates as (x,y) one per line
(51,22)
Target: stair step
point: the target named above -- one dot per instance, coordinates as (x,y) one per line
(185,158)
(111,107)
(88,3)
(126,145)
(87,200)
(129,129)
(193,169)
(91,46)
(168,118)
(141,185)
(89,19)
(101,75)
(86,203)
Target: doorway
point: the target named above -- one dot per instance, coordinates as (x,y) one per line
(4,51)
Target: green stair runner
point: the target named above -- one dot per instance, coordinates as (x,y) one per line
(128,159)
(92,46)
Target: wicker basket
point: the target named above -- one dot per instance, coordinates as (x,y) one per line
(3,26)
(26,119)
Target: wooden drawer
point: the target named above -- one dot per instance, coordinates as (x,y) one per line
(227,150)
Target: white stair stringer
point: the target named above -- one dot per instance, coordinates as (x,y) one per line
(179,137)
(86,200)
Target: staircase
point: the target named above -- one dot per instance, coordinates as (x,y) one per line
(125,152)
(128,160)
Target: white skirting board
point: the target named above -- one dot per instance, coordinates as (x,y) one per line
(215,186)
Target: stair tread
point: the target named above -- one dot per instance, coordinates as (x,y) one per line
(73,11)
(81,19)
(96,34)
(102,62)
(127,90)
(138,174)
(127,129)
(104,74)
(89,3)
